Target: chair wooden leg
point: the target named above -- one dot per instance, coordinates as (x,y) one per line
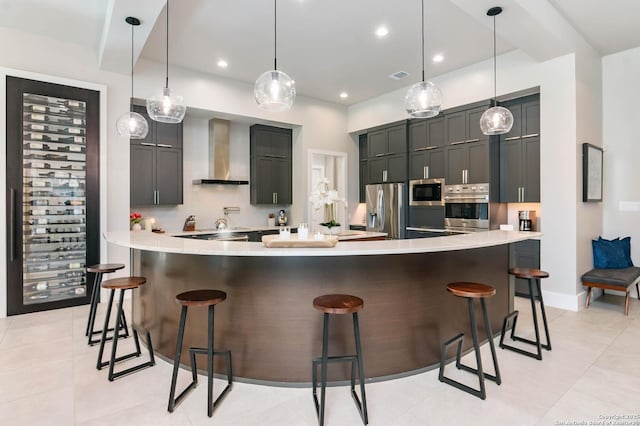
(626,304)
(638,291)
(586,305)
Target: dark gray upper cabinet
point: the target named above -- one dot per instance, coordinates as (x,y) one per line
(387,150)
(464,126)
(520,153)
(270,160)
(156,164)
(428,164)
(436,132)
(427,134)
(468,163)
(418,135)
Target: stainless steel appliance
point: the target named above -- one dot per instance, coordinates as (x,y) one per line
(526,220)
(385,209)
(426,192)
(467,207)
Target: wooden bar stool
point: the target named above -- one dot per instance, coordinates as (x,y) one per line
(99,270)
(339,304)
(122,284)
(511,320)
(208,298)
(471,291)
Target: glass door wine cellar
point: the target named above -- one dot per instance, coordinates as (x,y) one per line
(52,194)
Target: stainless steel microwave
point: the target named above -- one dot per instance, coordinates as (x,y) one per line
(426,192)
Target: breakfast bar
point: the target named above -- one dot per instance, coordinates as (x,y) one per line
(268,321)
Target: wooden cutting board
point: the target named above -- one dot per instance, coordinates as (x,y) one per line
(274,241)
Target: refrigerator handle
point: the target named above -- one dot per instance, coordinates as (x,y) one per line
(380,209)
(12,225)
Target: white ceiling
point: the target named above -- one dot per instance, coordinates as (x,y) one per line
(326,46)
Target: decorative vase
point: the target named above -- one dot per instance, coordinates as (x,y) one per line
(136,227)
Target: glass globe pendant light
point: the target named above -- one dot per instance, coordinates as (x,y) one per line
(275,90)
(496,120)
(424,99)
(131,124)
(165,106)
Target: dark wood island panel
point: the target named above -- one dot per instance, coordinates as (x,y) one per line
(269,324)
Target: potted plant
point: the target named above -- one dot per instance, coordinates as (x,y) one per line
(326,198)
(135,219)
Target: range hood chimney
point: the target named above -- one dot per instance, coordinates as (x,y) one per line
(219,155)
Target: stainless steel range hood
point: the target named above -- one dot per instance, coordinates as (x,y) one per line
(219,156)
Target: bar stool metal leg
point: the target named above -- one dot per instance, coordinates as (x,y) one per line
(176,366)
(362,407)
(514,316)
(93,309)
(481,392)
(94,302)
(210,364)
(323,371)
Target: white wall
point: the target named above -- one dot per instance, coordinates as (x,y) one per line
(621,140)
(557,81)
(320,125)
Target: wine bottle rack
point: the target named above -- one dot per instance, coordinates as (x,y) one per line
(54,199)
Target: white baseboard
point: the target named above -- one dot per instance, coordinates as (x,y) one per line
(564,301)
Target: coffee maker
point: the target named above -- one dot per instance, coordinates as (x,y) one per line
(526,220)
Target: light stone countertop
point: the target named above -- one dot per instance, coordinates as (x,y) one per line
(143,240)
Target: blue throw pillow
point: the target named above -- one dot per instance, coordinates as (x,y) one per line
(626,247)
(611,254)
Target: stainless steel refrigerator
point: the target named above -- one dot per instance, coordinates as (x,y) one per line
(386,209)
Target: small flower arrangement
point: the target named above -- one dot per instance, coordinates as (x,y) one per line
(327,198)
(135,218)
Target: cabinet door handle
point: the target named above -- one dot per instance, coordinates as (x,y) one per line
(531,135)
(12,224)
(274,156)
(421,149)
(466,175)
(384,175)
(426,172)
(472,140)
(456,143)
(512,138)
(147,144)
(162,145)
(380,155)
(523,198)
(273,198)
(276,198)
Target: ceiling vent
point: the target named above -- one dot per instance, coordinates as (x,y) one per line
(399,75)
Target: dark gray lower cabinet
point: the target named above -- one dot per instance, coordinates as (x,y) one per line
(363,180)
(155,176)
(524,254)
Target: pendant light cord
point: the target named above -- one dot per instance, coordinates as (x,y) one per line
(275,34)
(166,79)
(422,40)
(132,60)
(495,79)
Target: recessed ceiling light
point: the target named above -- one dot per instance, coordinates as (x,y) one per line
(438,58)
(344,95)
(382,31)
(222,63)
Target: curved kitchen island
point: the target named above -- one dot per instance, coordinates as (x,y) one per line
(268,321)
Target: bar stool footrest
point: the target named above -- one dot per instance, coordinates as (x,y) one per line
(194,375)
(333,359)
(510,321)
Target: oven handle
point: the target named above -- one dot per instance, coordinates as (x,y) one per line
(465,199)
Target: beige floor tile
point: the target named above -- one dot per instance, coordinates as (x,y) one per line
(48,332)
(153,412)
(580,408)
(37,378)
(610,386)
(52,408)
(40,318)
(24,357)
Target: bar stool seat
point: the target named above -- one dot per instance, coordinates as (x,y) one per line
(339,304)
(510,321)
(122,284)
(197,298)
(471,291)
(99,270)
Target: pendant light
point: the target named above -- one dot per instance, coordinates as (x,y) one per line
(424,99)
(496,120)
(165,106)
(275,90)
(131,124)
